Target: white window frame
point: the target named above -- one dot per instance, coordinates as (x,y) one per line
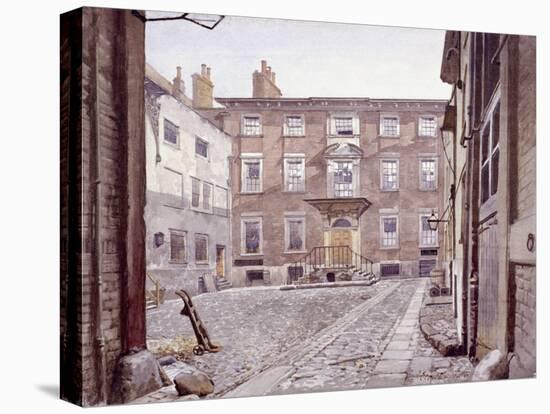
(199,236)
(249,158)
(421,243)
(226,196)
(382,161)
(178,133)
(251,218)
(382,130)
(420,118)
(197,138)
(182,233)
(356,127)
(288,218)
(251,115)
(286,129)
(422,159)
(381,238)
(353,177)
(294,158)
(200,207)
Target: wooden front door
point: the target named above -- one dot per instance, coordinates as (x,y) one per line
(220,261)
(341,238)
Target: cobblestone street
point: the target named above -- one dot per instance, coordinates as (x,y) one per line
(325,339)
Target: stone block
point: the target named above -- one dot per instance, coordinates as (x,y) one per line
(197,383)
(420,365)
(137,374)
(386,380)
(402,355)
(392,366)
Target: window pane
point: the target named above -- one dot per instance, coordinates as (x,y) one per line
(343,179)
(195,192)
(496,125)
(295,229)
(389,232)
(177,247)
(170,132)
(252,237)
(206,192)
(485,144)
(494,172)
(428,126)
(485,183)
(428,174)
(251,125)
(390,126)
(295,175)
(252,176)
(344,126)
(201,147)
(428,236)
(389,175)
(295,125)
(201,248)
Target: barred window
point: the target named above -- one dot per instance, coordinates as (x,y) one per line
(343,125)
(201,248)
(428,237)
(196,192)
(390,126)
(389,231)
(252,125)
(252,236)
(294,126)
(343,179)
(427,174)
(389,175)
(201,147)
(252,177)
(171,132)
(427,126)
(207,196)
(177,246)
(294,175)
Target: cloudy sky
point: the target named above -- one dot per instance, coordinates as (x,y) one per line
(309,58)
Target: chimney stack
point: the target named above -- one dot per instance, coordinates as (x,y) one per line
(203,89)
(178,86)
(263,83)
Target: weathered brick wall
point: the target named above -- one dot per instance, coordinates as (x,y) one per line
(94,127)
(523,212)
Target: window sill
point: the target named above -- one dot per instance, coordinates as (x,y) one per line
(389,136)
(428,190)
(294,136)
(251,254)
(293,192)
(357,136)
(202,263)
(170,145)
(176,207)
(172,262)
(198,210)
(251,192)
(395,190)
(251,136)
(295,252)
(428,246)
(389,248)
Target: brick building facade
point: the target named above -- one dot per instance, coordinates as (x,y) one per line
(491,138)
(313,172)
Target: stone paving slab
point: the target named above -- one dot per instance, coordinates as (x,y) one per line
(386,380)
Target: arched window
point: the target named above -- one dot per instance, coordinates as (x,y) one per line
(341,223)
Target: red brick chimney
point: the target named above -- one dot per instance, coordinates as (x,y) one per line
(263,83)
(203,88)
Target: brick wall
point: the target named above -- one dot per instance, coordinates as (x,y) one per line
(523,212)
(96,129)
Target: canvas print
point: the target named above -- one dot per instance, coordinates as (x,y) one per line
(257,207)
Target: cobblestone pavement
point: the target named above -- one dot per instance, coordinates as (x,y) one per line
(278,342)
(256,326)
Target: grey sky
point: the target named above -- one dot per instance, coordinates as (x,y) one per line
(309,58)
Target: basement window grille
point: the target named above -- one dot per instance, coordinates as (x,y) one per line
(390,269)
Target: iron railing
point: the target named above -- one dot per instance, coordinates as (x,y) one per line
(329,258)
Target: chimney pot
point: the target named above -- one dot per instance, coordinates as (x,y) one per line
(203,70)
(208,72)
(264,66)
(273,77)
(178,72)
